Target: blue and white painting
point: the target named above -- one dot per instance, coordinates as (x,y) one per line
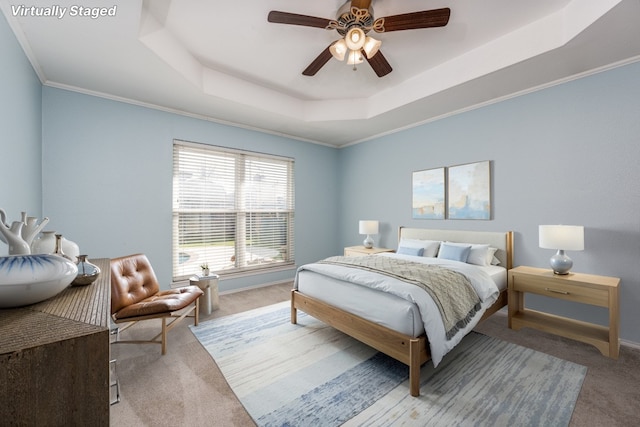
(428,194)
(469,191)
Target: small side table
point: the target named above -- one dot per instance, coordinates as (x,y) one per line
(210,301)
(589,289)
(361,250)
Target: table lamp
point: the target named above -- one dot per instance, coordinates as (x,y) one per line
(561,237)
(368,227)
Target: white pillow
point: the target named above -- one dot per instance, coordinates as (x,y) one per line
(430,246)
(479,254)
(491,256)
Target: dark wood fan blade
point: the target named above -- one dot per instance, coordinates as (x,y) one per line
(318,63)
(361,4)
(295,19)
(379,64)
(413,20)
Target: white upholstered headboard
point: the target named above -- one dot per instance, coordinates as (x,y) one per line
(503,240)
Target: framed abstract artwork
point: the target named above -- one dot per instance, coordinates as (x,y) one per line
(469,191)
(428,194)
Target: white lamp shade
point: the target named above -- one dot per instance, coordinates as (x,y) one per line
(371,46)
(338,49)
(368,227)
(565,237)
(355,57)
(355,39)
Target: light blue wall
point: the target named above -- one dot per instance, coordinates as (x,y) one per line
(101,170)
(568,154)
(20,137)
(108,179)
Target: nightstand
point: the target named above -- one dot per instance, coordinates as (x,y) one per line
(590,289)
(361,250)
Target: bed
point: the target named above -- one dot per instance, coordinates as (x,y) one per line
(399,329)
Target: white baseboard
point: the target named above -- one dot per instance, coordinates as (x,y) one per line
(630,344)
(183,283)
(262,285)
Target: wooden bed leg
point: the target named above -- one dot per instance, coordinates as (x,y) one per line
(294,312)
(414,367)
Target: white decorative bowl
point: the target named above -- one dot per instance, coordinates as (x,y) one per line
(28,279)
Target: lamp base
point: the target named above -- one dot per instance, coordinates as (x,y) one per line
(561,263)
(368,242)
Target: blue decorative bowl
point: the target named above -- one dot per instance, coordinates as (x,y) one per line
(28,279)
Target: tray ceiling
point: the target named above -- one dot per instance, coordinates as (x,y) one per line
(224,62)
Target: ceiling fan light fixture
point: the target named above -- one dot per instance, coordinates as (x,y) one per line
(339,49)
(355,38)
(371,46)
(355,19)
(355,57)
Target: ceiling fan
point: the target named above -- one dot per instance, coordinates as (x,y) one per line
(354,21)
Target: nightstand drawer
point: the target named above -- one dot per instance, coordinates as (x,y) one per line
(560,289)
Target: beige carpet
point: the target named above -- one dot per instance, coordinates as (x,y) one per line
(186,388)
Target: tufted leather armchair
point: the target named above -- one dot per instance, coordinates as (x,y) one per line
(136,296)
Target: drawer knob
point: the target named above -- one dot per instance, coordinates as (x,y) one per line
(557,291)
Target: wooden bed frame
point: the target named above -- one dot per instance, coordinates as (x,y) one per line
(412,351)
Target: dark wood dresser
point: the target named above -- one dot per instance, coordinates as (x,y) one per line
(54,357)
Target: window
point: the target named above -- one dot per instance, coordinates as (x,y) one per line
(233,210)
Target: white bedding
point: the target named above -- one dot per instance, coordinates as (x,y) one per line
(413,311)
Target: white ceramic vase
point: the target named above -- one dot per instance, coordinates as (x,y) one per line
(31,227)
(46,244)
(20,234)
(13,237)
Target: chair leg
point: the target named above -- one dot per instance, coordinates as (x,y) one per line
(164,336)
(197,315)
(166,327)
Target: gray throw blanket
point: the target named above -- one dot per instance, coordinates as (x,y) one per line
(451,291)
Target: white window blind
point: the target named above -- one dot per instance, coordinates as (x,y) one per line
(233,210)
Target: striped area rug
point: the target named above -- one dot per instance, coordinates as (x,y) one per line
(310,374)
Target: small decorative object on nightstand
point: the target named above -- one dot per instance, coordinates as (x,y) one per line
(361,250)
(368,228)
(590,289)
(205,269)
